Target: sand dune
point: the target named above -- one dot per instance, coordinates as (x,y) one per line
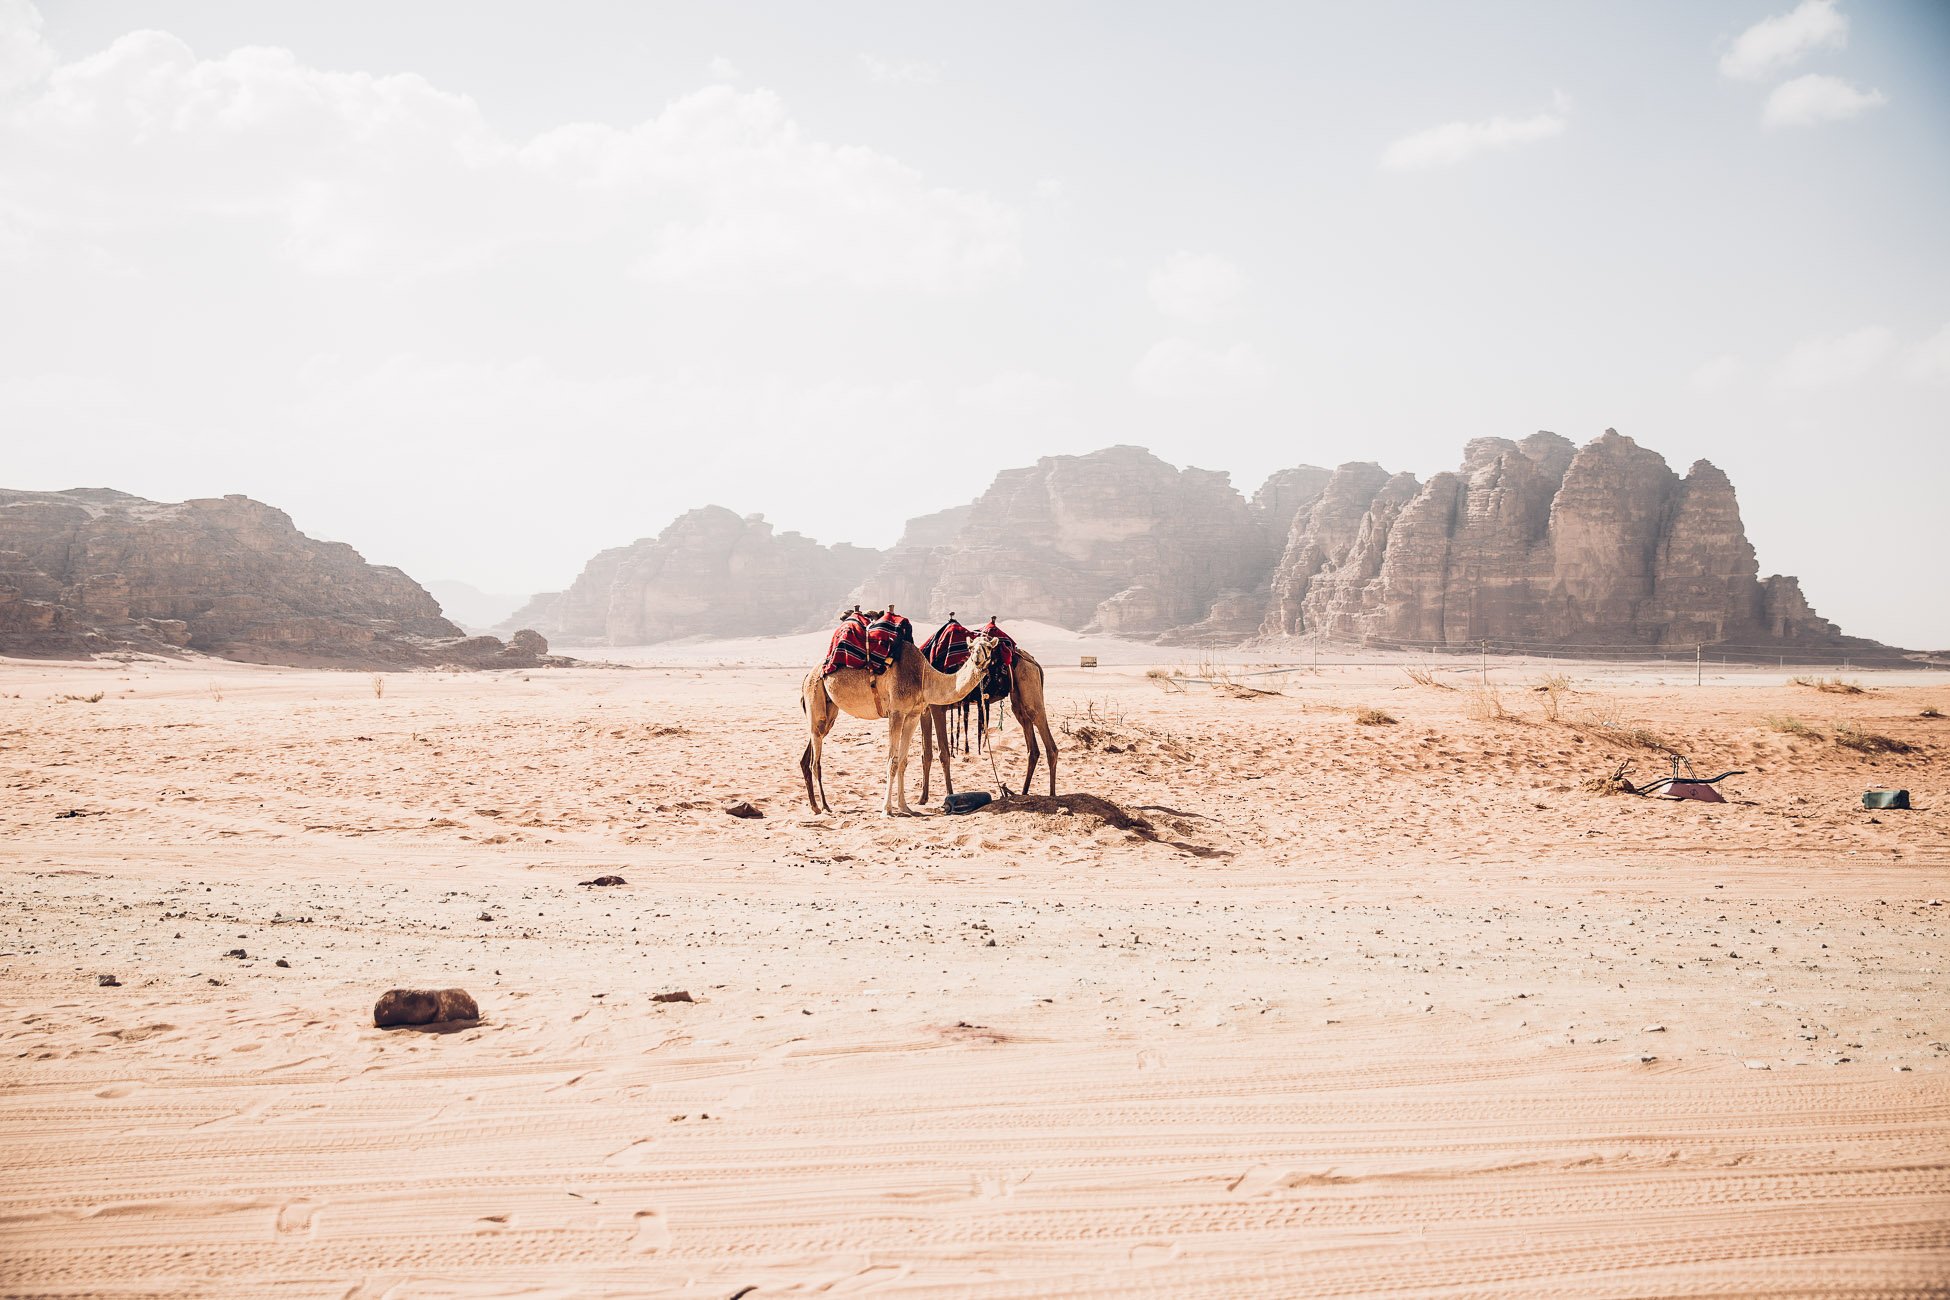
(1352,1009)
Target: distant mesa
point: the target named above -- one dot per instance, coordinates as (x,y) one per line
(1535,541)
(93,570)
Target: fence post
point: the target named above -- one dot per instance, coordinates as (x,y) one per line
(1483,648)
(1698,671)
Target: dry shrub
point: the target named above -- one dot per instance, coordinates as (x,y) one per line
(1793,727)
(1422,675)
(1613,782)
(1375,718)
(96,698)
(1831,685)
(1486,703)
(1164,681)
(1553,688)
(1849,736)
(378,686)
(1931,712)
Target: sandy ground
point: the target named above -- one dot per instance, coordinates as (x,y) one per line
(1355,1009)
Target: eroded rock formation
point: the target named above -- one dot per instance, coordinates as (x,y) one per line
(710,573)
(1116,541)
(1537,542)
(1533,541)
(95,570)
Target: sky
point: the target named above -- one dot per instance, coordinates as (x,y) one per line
(484,288)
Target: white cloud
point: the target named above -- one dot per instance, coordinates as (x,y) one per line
(1821,363)
(1929,361)
(349,173)
(1181,368)
(1196,287)
(1457,142)
(25,58)
(914,73)
(1815,98)
(1775,44)
(1717,374)
(722,69)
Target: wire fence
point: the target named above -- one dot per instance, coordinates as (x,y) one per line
(1703,656)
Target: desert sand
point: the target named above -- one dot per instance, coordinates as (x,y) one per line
(1349,1009)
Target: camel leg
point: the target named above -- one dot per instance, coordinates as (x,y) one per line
(934,728)
(908,726)
(820,716)
(927,753)
(1049,743)
(895,722)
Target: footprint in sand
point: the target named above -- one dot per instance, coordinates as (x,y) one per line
(652,1233)
(296,1217)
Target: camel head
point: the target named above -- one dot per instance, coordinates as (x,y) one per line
(980,651)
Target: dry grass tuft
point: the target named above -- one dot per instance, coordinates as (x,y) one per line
(1553,688)
(378,686)
(1375,718)
(1868,742)
(1422,675)
(1931,712)
(1486,704)
(1164,681)
(96,698)
(1831,685)
(1792,727)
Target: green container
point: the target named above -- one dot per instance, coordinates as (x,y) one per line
(1885,799)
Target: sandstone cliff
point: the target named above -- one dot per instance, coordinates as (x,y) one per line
(710,573)
(1537,542)
(1115,541)
(93,570)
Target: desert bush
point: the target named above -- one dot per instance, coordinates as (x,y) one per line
(1164,681)
(1554,688)
(1375,718)
(378,685)
(96,698)
(1792,727)
(1931,712)
(1830,685)
(1869,742)
(1486,703)
(1422,675)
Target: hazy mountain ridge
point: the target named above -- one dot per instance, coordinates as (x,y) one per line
(1537,541)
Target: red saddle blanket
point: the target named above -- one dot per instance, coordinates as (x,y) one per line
(848,648)
(884,637)
(947,649)
(1005,645)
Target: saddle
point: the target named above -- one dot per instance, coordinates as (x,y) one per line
(947,649)
(885,636)
(848,648)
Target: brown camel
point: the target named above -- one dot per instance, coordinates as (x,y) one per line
(1025,701)
(901,694)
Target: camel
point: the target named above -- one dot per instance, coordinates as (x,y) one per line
(1025,701)
(902,694)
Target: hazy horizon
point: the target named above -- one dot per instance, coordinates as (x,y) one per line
(482,292)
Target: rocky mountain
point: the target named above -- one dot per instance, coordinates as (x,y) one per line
(1534,541)
(1115,541)
(93,570)
(711,573)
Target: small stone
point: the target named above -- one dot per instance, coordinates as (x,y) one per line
(283,963)
(740,808)
(238,953)
(108,982)
(1758,1065)
(485,916)
(1653,1029)
(681,995)
(1900,1069)
(606,880)
(423,1007)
